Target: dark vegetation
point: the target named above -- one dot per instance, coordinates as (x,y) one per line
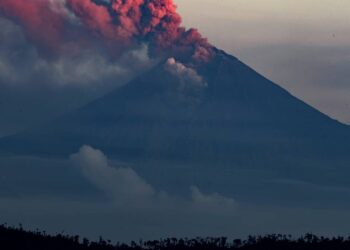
(19,239)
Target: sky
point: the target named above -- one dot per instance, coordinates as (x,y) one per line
(304,46)
(301,45)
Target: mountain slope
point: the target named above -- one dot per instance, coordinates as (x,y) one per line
(237,118)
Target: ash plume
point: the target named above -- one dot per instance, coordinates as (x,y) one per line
(61,25)
(66,53)
(41,23)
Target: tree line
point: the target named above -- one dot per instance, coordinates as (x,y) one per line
(20,239)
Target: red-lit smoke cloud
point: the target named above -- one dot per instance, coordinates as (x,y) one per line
(40,22)
(119,23)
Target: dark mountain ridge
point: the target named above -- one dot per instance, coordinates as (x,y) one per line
(238,118)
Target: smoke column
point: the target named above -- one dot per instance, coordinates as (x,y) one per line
(118,23)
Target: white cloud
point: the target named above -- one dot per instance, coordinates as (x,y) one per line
(56,194)
(211,202)
(121,183)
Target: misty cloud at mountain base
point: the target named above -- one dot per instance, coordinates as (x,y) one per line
(71,196)
(119,121)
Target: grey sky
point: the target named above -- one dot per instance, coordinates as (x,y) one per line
(302,45)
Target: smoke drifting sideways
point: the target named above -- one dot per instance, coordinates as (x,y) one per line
(58,26)
(57,55)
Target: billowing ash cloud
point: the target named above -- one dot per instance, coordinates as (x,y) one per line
(41,22)
(20,62)
(69,25)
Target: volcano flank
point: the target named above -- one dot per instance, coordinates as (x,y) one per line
(198,108)
(221,112)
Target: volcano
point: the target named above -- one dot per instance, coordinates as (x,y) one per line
(227,114)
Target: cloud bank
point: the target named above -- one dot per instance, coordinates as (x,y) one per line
(124,186)
(69,195)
